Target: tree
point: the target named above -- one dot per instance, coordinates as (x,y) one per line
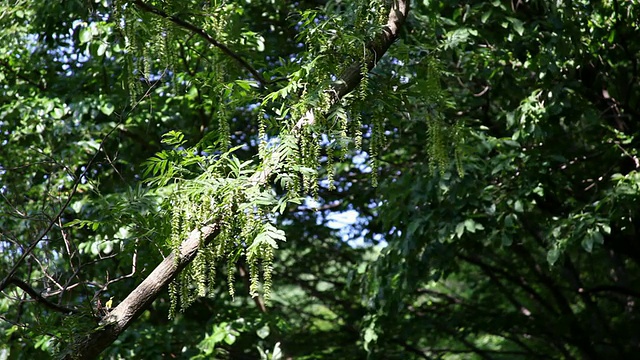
(493,198)
(136,37)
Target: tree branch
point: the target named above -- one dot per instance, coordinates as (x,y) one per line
(39,298)
(74,189)
(351,77)
(121,317)
(203,34)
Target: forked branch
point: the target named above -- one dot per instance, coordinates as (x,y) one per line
(39,298)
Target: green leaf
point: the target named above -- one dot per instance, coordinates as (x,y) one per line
(460,229)
(175,138)
(457,37)
(277,353)
(247,84)
(263,332)
(470,225)
(510,220)
(260,44)
(85,35)
(77,207)
(107,109)
(278,234)
(506,240)
(485,16)
(587,244)
(593,236)
(518,25)
(517,206)
(230,339)
(370,335)
(58,113)
(598,238)
(102,49)
(553,255)
(413,226)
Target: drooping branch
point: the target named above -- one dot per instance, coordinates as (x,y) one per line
(92,344)
(203,34)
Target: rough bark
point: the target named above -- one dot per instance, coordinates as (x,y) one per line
(351,76)
(118,320)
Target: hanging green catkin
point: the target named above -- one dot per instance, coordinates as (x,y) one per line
(212,263)
(357,130)
(254,273)
(173,298)
(267,271)
(200,273)
(262,135)
(330,167)
(231,276)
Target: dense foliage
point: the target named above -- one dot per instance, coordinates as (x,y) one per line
(468,191)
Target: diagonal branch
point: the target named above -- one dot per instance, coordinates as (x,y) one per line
(203,34)
(351,76)
(123,315)
(53,221)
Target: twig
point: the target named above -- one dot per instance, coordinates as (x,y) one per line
(104,287)
(37,297)
(74,189)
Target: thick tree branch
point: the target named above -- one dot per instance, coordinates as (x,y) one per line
(203,34)
(118,320)
(351,77)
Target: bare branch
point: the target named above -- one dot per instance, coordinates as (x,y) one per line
(134,265)
(37,297)
(53,221)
